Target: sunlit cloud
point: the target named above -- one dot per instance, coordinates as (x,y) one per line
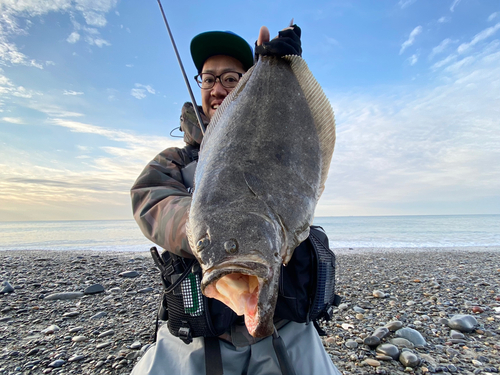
(444,19)
(411,39)
(478,38)
(13,120)
(435,144)
(76,187)
(493,16)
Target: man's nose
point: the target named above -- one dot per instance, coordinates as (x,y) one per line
(218,89)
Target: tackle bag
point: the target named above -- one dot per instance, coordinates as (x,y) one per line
(306,291)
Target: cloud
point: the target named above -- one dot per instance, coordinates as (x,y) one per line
(444,19)
(493,16)
(443,62)
(52,110)
(129,65)
(441,47)
(92,11)
(436,143)
(455,3)
(13,120)
(71,92)
(405,3)
(478,38)
(73,37)
(78,187)
(7,87)
(140,92)
(411,39)
(413,59)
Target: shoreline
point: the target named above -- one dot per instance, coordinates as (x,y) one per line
(106,333)
(340,250)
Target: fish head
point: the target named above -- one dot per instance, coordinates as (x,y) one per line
(241,265)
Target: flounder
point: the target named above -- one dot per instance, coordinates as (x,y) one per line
(262,167)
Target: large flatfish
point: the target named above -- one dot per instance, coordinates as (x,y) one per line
(262,168)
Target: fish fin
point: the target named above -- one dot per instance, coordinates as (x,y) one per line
(322,112)
(226,102)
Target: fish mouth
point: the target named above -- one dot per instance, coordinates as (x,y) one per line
(240,287)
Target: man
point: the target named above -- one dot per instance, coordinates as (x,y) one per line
(161,204)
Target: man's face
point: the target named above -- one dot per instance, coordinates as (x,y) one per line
(216,65)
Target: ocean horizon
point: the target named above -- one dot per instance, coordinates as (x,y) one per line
(344,232)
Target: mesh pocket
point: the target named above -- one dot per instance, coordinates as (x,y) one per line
(186,306)
(325,279)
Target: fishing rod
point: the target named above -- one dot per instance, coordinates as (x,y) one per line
(193,100)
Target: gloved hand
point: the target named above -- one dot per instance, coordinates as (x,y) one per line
(286,43)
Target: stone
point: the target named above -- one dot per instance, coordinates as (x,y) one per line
(388,349)
(409,359)
(64,296)
(347,326)
(57,363)
(71,314)
(94,289)
(145,290)
(343,306)
(136,345)
(372,341)
(372,362)
(477,310)
(76,357)
(456,335)
(351,344)
(50,329)
(103,345)
(130,274)
(378,294)
(401,343)
(359,309)
(463,323)
(412,335)
(79,339)
(75,329)
(381,332)
(394,325)
(6,288)
(99,315)
(109,332)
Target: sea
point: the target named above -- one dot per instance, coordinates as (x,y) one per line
(353,232)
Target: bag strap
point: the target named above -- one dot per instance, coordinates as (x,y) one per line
(213,356)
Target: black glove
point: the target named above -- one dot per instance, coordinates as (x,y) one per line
(287,43)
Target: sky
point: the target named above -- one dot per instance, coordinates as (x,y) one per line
(90,91)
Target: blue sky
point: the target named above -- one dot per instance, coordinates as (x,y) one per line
(90,90)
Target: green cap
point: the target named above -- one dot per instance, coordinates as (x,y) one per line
(213,43)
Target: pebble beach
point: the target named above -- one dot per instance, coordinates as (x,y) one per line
(403,311)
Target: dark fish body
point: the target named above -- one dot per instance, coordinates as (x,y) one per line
(259,177)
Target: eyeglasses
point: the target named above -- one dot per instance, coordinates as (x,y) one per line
(228,80)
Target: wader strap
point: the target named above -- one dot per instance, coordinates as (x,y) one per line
(282,354)
(213,356)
